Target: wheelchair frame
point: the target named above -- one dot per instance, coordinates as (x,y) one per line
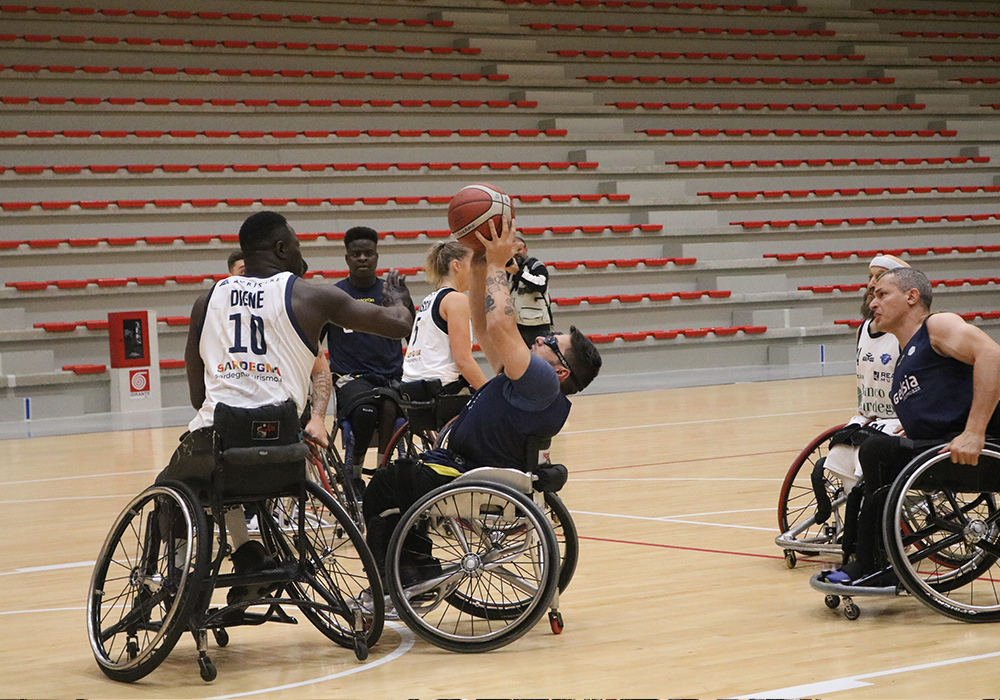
(941,533)
(155,575)
(800,533)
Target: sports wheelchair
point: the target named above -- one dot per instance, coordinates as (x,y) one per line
(474,564)
(941,537)
(427,411)
(156,573)
(805,529)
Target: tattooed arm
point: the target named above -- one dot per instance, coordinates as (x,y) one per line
(492,307)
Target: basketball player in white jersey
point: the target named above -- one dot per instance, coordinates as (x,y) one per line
(254,339)
(440,345)
(876,359)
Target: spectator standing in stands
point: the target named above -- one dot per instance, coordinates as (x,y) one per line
(362,362)
(529,287)
(237,266)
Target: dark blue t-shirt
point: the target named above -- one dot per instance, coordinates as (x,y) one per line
(932,393)
(493,429)
(353,352)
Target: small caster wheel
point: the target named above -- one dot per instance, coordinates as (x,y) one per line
(852,612)
(556,622)
(790,559)
(832,601)
(208,670)
(360,649)
(221,636)
(132,648)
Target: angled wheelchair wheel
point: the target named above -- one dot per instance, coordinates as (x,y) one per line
(472,566)
(408,443)
(797,504)
(147,581)
(566,537)
(943,538)
(336,582)
(332,476)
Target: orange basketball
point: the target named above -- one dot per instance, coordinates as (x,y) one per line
(473,207)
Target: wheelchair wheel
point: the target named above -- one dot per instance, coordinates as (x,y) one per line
(336,582)
(472,566)
(333,478)
(944,544)
(797,503)
(408,443)
(147,581)
(566,537)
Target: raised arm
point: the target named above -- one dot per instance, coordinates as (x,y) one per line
(951,336)
(507,350)
(315,306)
(455,310)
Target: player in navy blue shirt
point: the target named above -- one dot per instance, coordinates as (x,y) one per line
(945,389)
(526,399)
(360,362)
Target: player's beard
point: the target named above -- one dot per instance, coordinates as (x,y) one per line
(866,311)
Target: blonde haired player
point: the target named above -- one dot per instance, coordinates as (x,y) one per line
(440,345)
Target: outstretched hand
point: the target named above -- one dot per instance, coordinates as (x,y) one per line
(395,291)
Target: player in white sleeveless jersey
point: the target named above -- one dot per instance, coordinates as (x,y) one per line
(876,359)
(440,345)
(253,340)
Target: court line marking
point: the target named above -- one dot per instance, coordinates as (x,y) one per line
(707,420)
(858,681)
(84,476)
(41,610)
(50,567)
(727,479)
(406,642)
(680,547)
(672,519)
(67,498)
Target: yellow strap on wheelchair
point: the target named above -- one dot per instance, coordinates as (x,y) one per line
(443,470)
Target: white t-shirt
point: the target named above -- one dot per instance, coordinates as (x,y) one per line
(254,351)
(428,354)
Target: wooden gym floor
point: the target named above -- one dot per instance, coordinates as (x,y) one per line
(680,590)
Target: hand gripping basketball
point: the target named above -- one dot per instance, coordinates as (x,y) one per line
(473,207)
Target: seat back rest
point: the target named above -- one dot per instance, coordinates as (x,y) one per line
(426,407)
(260,450)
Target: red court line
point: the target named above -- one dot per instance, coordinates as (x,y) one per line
(686,549)
(684,461)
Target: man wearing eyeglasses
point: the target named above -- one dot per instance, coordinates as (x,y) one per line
(526,399)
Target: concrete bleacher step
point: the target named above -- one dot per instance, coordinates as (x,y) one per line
(780,318)
(40,406)
(27,362)
(12,319)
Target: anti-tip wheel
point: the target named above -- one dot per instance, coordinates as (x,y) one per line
(360,649)
(832,601)
(556,622)
(208,670)
(221,636)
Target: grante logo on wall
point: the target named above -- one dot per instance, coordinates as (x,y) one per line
(138,383)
